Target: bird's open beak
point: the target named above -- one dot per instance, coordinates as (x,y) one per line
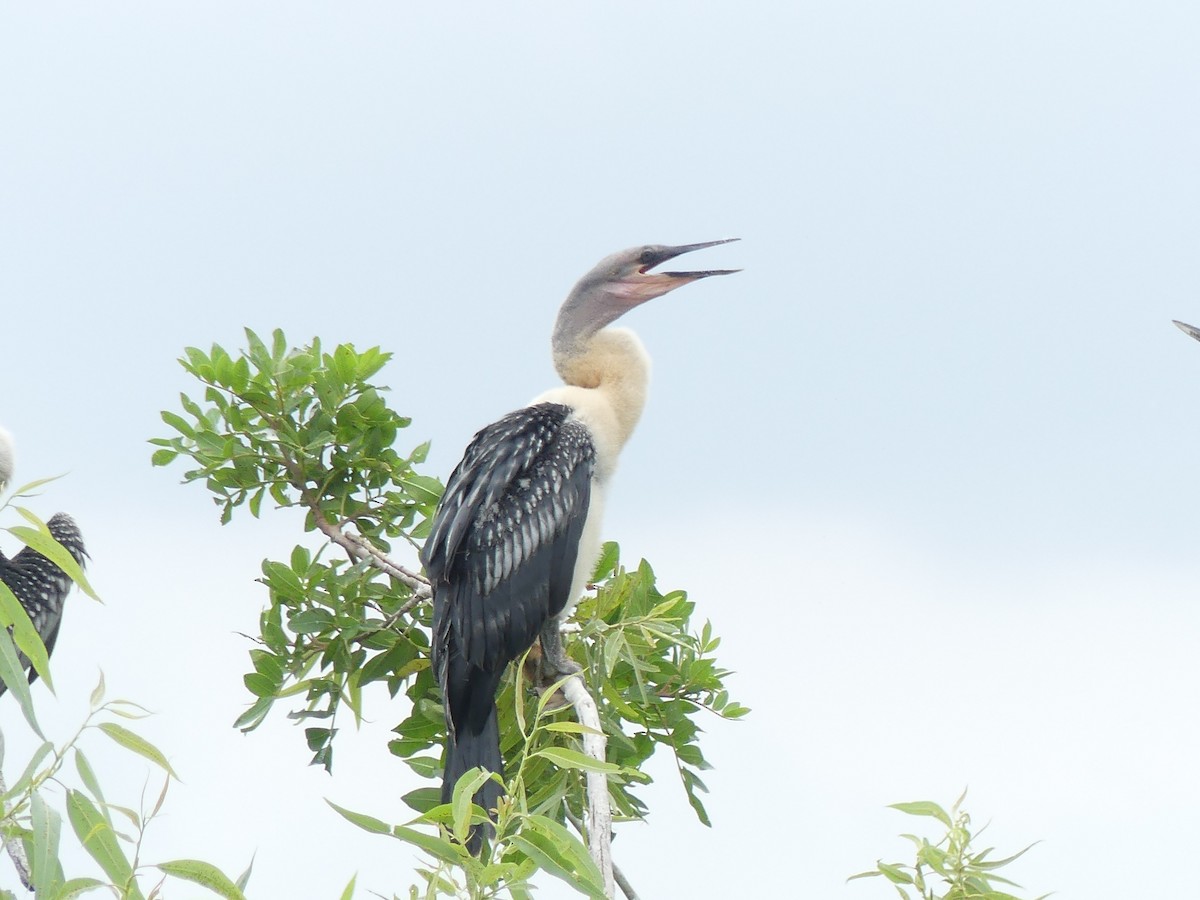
(668,253)
(645,285)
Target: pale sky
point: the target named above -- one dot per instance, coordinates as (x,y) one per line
(926,463)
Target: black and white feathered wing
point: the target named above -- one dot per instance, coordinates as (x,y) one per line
(501,559)
(41,586)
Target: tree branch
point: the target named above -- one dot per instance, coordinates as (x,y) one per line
(357,547)
(360,550)
(599,821)
(618,875)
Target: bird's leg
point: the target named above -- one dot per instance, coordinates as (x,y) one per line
(555,662)
(552,664)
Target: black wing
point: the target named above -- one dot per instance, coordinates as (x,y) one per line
(40,585)
(501,554)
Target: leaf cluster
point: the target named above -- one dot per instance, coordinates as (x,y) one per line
(949,868)
(309,430)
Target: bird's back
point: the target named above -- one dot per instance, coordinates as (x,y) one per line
(40,585)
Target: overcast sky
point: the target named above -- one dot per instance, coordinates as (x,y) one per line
(927,463)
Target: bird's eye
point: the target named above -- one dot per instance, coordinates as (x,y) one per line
(648,257)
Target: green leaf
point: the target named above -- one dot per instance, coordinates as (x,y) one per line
(923,808)
(573,759)
(88,777)
(13,676)
(461,802)
(204,874)
(873,874)
(570,728)
(244,878)
(561,854)
(348,892)
(610,555)
(40,540)
(31,768)
(895,874)
(422,799)
(46,824)
(437,847)
(254,716)
(101,843)
(163,457)
(138,744)
(362,820)
(979,863)
(260,685)
(77,886)
(97,696)
(422,488)
(25,635)
(179,424)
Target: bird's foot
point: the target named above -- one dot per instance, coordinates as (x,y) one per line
(548,663)
(552,671)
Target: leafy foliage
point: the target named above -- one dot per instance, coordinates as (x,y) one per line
(307,429)
(310,430)
(950,868)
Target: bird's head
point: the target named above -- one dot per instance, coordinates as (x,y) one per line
(620,282)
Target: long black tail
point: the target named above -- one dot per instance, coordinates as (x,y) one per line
(476,742)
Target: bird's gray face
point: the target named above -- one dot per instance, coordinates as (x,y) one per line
(627,276)
(616,285)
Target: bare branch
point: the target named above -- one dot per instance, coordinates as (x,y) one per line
(599,822)
(626,887)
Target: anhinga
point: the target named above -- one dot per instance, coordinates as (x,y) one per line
(38,584)
(517,531)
